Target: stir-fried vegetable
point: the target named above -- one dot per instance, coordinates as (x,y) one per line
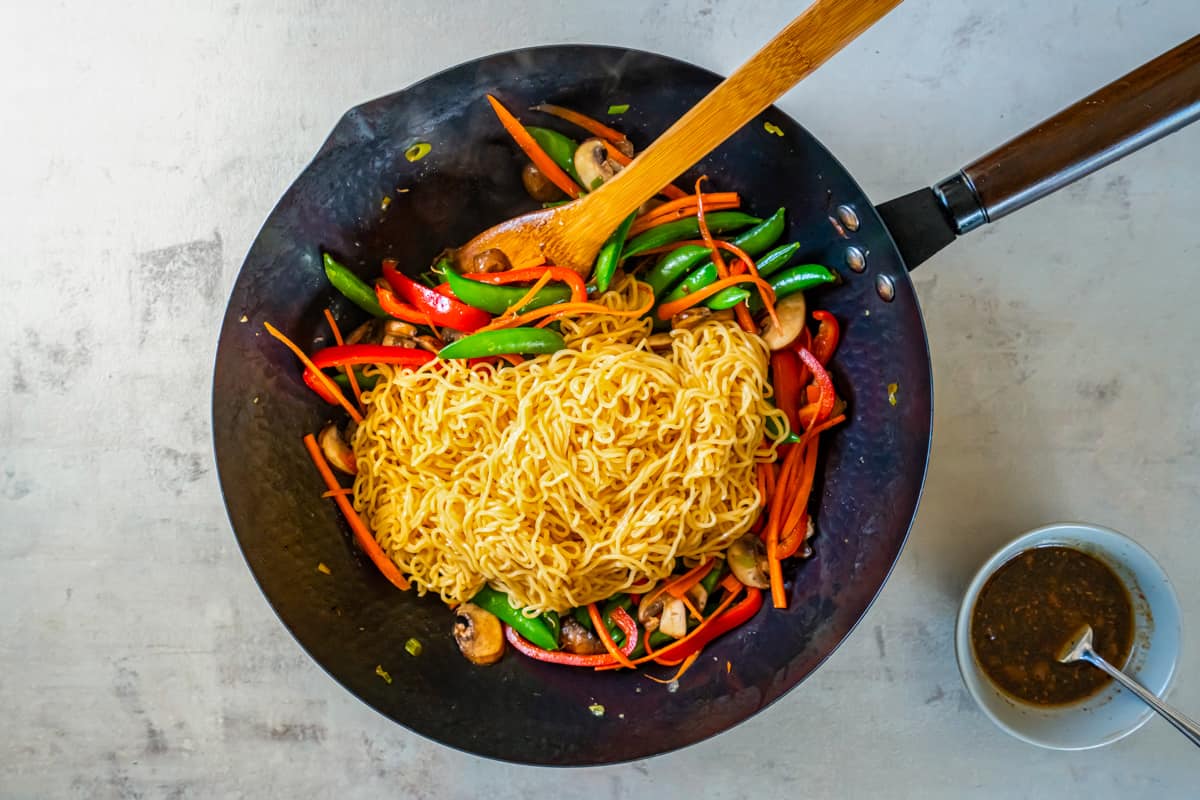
(716,262)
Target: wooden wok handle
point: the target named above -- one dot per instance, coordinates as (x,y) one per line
(1154,100)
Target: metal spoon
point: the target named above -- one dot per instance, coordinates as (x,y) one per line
(1079,648)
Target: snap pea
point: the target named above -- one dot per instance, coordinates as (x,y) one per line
(709,581)
(561,149)
(727,298)
(687,228)
(498,299)
(534,629)
(365,382)
(502,341)
(677,263)
(704,275)
(672,265)
(610,255)
(353,287)
(795,279)
(553,622)
(769,264)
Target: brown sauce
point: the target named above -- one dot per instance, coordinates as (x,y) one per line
(1032,606)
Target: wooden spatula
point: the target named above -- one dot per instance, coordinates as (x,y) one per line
(571,235)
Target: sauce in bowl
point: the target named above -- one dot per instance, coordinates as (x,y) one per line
(1031,606)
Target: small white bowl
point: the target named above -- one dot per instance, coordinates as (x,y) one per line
(1113,713)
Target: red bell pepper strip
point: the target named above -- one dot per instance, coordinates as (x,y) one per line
(618,616)
(351,355)
(823,381)
(827,336)
(568,276)
(442,310)
(735,616)
(395,307)
(785,377)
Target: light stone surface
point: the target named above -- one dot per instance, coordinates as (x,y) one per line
(143,144)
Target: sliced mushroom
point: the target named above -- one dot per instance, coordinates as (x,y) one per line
(336,450)
(394,327)
(650,614)
(674,618)
(593,165)
(625,146)
(399,341)
(649,205)
(691,317)
(578,639)
(450,335)
(491,260)
(747,559)
(479,634)
(370,331)
(430,343)
(792,312)
(698,596)
(659,341)
(538,186)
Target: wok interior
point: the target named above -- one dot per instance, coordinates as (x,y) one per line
(352,621)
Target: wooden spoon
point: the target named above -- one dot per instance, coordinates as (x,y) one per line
(571,235)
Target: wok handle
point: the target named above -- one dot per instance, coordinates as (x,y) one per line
(1156,99)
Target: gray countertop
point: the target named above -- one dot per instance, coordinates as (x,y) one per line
(143,145)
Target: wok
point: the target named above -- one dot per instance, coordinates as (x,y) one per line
(871,471)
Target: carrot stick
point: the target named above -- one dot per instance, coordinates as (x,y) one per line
(563,309)
(335,492)
(668,310)
(644,224)
(744,257)
(361,534)
(790,537)
(592,126)
(337,337)
(683,584)
(532,149)
(670,190)
(725,604)
(743,315)
(775,571)
(606,637)
(687,664)
(688,203)
(325,380)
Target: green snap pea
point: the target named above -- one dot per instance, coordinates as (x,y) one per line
(553,622)
(498,299)
(561,149)
(353,287)
(727,298)
(677,263)
(795,279)
(503,341)
(688,228)
(673,265)
(610,255)
(776,260)
(534,629)
(365,382)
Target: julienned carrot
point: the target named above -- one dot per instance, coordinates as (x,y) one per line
(740,311)
(334,390)
(533,290)
(592,126)
(688,203)
(346,491)
(532,149)
(667,651)
(775,572)
(668,310)
(564,274)
(684,667)
(361,535)
(670,190)
(646,223)
(745,258)
(337,337)
(566,309)
(683,584)
(791,533)
(606,637)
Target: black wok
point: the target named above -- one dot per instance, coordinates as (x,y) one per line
(353,620)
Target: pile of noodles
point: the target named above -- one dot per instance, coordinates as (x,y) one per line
(572,476)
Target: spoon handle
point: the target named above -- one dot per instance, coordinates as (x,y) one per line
(806,43)
(1185,726)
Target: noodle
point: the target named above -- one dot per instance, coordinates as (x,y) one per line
(573,476)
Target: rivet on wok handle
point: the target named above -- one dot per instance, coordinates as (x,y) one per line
(855,259)
(848,218)
(885,287)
